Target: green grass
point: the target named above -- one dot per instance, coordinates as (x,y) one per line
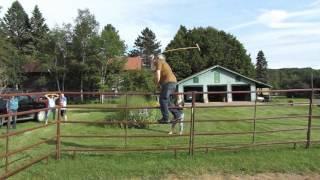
(277,158)
(160,165)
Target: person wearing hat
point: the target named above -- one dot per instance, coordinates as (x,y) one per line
(167,82)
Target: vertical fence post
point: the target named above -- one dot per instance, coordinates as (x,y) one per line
(191,136)
(126,123)
(254,120)
(7,146)
(190,131)
(310,114)
(193,119)
(58,134)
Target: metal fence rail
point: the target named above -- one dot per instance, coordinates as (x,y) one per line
(190,146)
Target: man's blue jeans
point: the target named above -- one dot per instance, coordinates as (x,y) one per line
(13,118)
(166,100)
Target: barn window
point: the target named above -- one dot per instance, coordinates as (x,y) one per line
(196,80)
(216,77)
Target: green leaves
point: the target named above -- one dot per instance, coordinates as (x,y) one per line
(261,68)
(145,45)
(217,48)
(16,26)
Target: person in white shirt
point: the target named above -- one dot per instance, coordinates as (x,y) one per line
(52,105)
(63,104)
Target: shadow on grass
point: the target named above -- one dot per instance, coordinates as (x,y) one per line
(16,160)
(156,130)
(73,144)
(91,110)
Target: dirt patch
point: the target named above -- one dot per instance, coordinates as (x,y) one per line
(262,176)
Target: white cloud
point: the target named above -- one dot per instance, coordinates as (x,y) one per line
(316,3)
(288,38)
(129,17)
(273,17)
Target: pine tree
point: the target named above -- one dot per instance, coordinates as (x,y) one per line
(261,68)
(146,44)
(16,26)
(15,32)
(39,29)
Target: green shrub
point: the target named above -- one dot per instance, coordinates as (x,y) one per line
(137,118)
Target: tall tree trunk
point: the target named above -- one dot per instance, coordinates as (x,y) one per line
(56,73)
(58,84)
(102,82)
(64,72)
(83,61)
(63,80)
(81,88)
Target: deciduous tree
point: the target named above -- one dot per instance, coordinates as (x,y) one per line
(217,48)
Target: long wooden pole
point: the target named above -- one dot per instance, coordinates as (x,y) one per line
(310,114)
(254,121)
(184,48)
(7,147)
(58,140)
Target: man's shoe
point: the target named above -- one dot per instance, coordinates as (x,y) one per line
(162,121)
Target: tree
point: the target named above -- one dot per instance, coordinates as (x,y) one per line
(85,31)
(60,39)
(145,45)
(16,27)
(15,39)
(294,78)
(10,64)
(39,29)
(4,59)
(132,81)
(112,47)
(217,48)
(261,68)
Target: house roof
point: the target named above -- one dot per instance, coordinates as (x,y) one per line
(133,63)
(33,67)
(261,84)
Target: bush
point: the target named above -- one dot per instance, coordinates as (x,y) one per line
(137,118)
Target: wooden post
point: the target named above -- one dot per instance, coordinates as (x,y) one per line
(58,134)
(126,123)
(7,147)
(191,130)
(193,119)
(310,114)
(254,122)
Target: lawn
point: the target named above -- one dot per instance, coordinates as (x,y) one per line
(276,158)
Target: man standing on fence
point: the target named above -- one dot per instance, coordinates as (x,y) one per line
(167,82)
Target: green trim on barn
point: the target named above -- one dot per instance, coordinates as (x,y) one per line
(263,85)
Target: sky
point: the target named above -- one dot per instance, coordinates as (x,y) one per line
(287,31)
